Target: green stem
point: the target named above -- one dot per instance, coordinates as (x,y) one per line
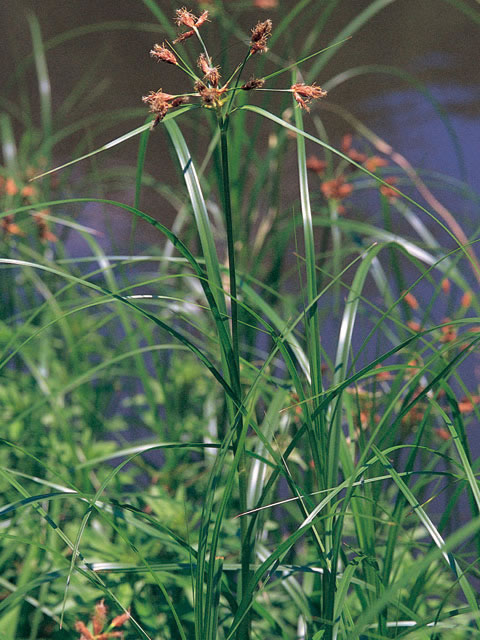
(244,628)
(230,243)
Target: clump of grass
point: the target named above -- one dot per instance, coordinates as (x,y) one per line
(295,454)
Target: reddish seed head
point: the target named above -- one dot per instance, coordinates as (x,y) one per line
(211,96)
(414,326)
(185,17)
(203,18)
(212,75)
(260,35)
(11,188)
(442,433)
(386,191)
(120,620)
(346,142)
(44,232)
(253,83)
(316,165)
(383,375)
(184,36)
(448,332)
(99,624)
(28,191)
(160,103)
(337,188)
(86,633)
(357,156)
(189,20)
(265,4)
(9,227)
(162,54)
(99,617)
(411,300)
(466,299)
(446,285)
(304,94)
(374,162)
(467,405)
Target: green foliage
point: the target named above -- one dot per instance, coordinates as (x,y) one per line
(245,430)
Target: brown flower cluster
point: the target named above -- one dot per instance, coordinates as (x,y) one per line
(253,83)
(387,191)
(316,165)
(304,94)
(188,19)
(371,163)
(211,73)
(337,189)
(260,35)
(208,87)
(211,96)
(99,620)
(160,103)
(163,54)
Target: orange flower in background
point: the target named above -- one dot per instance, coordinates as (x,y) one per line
(99,621)
(357,156)
(467,405)
(11,188)
(414,326)
(443,434)
(353,154)
(411,300)
(44,232)
(304,94)
(28,191)
(383,375)
(374,162)
(466,300)
(265,4)
(446,285)
(386,191)
(316,165)
(346,143)
(337,188)
(9,227)
(449,334)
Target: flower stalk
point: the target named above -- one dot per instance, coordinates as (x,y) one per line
(220,97)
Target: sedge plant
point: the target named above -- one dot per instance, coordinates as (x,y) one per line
(292,495)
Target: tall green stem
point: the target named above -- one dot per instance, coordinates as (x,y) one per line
(227,207)
(244,628)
